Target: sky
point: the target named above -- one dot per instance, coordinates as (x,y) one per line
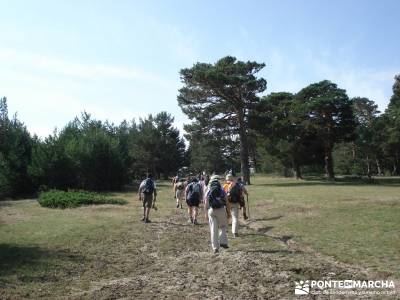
(121,59)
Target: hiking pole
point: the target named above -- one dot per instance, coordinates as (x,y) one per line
(248,206)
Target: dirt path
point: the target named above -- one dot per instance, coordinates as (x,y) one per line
(175,262)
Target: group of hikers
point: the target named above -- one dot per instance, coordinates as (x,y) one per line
(220,202)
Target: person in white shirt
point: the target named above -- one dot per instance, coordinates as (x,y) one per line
(215,204)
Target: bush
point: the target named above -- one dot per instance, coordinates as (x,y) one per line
(70,199)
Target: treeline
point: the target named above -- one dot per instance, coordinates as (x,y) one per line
(86,154)
(318,130)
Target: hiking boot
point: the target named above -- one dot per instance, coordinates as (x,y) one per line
(147,221)
(190,220)
(181,206)
(195,222)
(216,251)
(224,246)
(177,206)
(234,235)
(245,216)
(143,219)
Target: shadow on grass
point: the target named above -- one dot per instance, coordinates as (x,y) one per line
(313,181)
(264,219)
(282,251)
(31,263)
(180,224)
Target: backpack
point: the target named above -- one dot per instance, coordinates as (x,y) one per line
(148,186)
(214,197)
(235,193)
(180,186)
(194,191)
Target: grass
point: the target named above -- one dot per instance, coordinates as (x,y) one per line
(351,220)
(72,199)
(52,253)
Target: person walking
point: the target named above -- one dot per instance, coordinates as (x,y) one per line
(242,202)
(175,180)
(194,194)
(234,195)
(148,195)
(179,192)
(206,179)
(216,214)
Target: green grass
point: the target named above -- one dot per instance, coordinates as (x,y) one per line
(353,221)
(72,199)
(52,252)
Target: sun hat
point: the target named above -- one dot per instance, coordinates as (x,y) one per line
(214,177)
(229,177)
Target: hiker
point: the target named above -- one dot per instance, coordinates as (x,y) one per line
(242,201)
(194,194)
(216,214)
(175,180)
(234,194)
(206,179)
(202,182)
(148,195)
(179,192)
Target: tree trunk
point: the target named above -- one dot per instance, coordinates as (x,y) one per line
(287,172)
(244,148)
(368,167)
(378,167)
(297,170)
(329,163)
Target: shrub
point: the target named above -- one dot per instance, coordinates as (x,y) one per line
(70,199)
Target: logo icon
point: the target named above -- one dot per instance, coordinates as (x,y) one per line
(302,287)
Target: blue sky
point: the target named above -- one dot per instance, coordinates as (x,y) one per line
(121,59)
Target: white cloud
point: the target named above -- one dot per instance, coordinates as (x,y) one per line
(78,70)
(358,82)
(48,92)
(283,74)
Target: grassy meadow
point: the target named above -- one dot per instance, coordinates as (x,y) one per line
(298,229)
(352,221)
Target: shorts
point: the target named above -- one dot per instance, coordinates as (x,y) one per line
(147,200)
(193,202)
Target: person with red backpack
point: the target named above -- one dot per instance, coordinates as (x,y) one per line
(234,194)
(148,195)
(216,214)
(194,194)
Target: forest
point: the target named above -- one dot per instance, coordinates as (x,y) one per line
(317,131)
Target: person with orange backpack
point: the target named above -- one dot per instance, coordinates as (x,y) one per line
(234,193)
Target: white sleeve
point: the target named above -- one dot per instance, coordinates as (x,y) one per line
(142,184)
